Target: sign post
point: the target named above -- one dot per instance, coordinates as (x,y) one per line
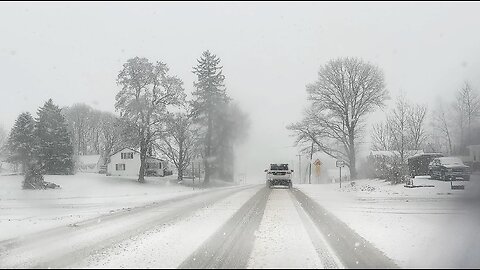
(340,164)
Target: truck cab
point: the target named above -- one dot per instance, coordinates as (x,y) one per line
(279,175)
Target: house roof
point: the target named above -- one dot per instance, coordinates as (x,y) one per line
(384,153)
(120,150)
(407,153)
(426,154)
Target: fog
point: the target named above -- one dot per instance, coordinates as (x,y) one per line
(72,52)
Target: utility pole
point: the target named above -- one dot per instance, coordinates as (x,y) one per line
(340,177)
(299,169)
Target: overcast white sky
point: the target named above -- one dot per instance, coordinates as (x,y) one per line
(72,52)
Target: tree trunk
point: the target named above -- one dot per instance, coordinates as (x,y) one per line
(143,159)
(180,174)
(351,156)
(181,161)
(24,167)
(206,161)
(449,145)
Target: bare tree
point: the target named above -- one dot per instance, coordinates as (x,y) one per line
(398,125)
(78,119)
(404,130)
(179,143)
(147,91)
(467,106)
(416,125)
(111,133)
(440,123)
(312,128)
(381,138)
(347,90)
(94,132)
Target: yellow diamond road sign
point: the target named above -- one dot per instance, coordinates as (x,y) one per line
(317,164)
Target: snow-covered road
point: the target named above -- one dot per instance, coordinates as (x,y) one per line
(237,227)
(66,245)
(241,227)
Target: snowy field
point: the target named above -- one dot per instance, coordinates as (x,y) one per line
(416,227)
(82,196)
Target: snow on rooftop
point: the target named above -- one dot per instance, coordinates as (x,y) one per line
(407,153)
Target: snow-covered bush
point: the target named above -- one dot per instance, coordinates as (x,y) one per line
(387,166)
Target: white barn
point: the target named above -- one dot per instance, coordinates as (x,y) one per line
(126,162)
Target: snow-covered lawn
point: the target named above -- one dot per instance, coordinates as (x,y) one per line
(416,227)
(81,196)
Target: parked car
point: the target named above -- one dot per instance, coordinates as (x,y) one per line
(449,168)
(418,164)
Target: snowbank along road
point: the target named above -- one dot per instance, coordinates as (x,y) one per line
(236,227)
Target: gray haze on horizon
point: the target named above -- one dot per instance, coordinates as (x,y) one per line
(72,52)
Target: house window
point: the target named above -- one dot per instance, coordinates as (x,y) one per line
(127,155)
(120,167)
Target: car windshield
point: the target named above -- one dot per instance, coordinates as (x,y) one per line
(276,167)
(141,135)
(451,161)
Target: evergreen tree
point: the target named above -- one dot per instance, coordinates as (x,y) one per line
(209,97)
(21,142)
(54,149)
(231,129)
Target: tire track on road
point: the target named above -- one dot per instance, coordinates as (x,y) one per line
(352,249)
(231,246)
(324,251)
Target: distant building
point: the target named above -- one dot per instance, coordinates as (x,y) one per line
(126,162)
(89,163)
(474,153)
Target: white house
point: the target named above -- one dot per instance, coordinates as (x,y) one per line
(89,163)
(126,162)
